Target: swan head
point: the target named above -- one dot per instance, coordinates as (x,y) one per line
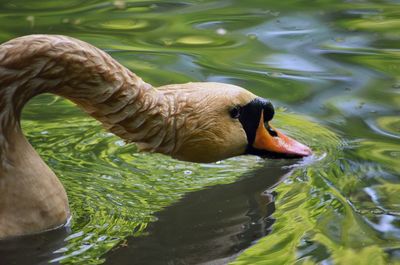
(222,121)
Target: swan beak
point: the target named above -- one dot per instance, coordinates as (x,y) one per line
(275,142)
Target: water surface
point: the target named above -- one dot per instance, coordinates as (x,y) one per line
(333,63)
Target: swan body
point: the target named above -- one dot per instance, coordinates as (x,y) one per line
(198,122)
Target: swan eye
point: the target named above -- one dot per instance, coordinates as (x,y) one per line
(272,132)
(235,112)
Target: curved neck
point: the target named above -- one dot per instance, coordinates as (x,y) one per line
(87,76)
(98,84)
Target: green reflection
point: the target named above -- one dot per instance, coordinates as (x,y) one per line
(114,190)
(334,61)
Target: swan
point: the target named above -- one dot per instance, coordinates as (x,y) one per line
(197,122)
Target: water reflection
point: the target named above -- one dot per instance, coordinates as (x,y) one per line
(333,61)
(209,226)
(36,249)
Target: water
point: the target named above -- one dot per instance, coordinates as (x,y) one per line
(333,63)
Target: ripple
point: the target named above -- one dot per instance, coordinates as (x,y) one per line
(386,125)
(124,24)
(384,153)
(291,62)
(195,40)
(50,5)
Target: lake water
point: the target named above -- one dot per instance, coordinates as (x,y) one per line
(335,64)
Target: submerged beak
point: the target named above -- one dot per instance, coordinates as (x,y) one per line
(273,141)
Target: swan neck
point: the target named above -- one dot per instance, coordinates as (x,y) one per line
(84,74)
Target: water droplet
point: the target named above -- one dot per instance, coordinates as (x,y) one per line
(221,31)
(31,20)
(120,4)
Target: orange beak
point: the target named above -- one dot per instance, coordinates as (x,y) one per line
(280,144)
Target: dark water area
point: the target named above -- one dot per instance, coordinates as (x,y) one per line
(207,226)
(210,225)
(332,70)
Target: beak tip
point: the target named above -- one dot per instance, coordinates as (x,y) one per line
(302,150)
(307,151)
